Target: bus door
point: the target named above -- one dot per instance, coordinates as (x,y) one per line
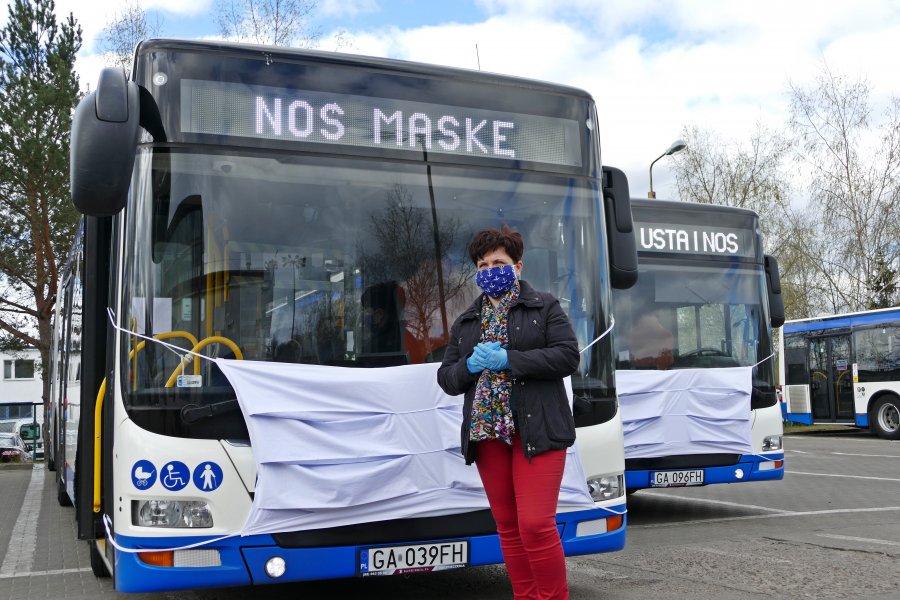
(830,378)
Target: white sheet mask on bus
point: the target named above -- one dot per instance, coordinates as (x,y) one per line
(336,446)
(685,411)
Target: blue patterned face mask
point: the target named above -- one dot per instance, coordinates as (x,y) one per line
(496,281)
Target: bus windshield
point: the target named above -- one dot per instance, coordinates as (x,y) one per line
(327,261)
(682,315)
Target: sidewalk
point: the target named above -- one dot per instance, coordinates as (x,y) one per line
(40,557)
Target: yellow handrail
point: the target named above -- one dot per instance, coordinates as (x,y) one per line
(213,339)
(837,399)
(98,404)
(164,336)
(98,413)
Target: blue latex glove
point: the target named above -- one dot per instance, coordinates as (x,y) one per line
(474,364)
(483,350)
(492,355)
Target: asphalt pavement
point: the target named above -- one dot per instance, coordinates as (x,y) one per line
(831,529)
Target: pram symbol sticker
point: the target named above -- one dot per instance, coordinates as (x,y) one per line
(174,475)
(207,476)
(143,475)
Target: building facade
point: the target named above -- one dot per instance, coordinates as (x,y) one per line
(20,387)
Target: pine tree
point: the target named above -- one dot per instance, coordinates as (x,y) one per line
(38,91)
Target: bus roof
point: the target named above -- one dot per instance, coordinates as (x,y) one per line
(355,60)
(844,321)
(676,205)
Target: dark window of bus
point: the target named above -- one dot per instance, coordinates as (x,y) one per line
(686,315)
(333,262)
(878,353)
(795,360)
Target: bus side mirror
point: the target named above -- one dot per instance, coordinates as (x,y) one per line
(622,250)
(773,285)
(104,139)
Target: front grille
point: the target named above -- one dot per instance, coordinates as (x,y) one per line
(681,461)
(397,530)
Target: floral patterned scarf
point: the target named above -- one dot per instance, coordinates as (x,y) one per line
(491,414)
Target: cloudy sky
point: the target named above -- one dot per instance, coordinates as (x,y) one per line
(653,66)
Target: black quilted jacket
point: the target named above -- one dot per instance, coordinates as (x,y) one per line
(542,351)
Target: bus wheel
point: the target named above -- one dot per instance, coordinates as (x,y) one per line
(885,418)
(97,564)
(62,497)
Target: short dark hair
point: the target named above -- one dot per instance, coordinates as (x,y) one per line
(488,240)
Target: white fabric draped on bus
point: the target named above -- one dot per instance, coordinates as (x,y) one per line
(685,411)
(336,446)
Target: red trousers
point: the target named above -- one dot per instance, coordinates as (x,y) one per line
(523,497)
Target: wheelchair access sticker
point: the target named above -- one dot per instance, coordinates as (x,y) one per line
(143,474)
(174,475)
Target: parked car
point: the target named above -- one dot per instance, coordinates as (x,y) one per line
(12,449)
(30,432)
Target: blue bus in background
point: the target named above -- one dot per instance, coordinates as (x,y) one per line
(843,369)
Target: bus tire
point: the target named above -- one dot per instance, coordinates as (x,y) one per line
(97,565)
(62,497)
(885,417)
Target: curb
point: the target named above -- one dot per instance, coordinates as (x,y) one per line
(841,432)
(17,466)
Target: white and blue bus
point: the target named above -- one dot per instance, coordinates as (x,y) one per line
(703,307)
(843,369)
(280,206)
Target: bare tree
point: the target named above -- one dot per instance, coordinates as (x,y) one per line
(128,27)
(714,171)
(852,163)
(752,175)
(272,22)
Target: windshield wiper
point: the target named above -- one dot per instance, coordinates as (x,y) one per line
(191,413)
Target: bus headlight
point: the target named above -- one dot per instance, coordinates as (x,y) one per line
(606,488)
(771,443)
(171,513)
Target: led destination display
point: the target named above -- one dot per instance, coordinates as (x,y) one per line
(693,239)
(262,112)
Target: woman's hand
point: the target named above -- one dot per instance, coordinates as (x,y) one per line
(492,356)
(474,364)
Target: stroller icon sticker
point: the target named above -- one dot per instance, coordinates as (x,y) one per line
(143,475)
(174,475)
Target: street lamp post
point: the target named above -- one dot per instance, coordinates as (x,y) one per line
(677,146)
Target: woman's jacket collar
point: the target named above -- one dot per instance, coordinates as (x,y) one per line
(527,296)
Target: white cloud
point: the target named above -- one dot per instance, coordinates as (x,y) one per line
(655,66)
(346,8)
(94,15)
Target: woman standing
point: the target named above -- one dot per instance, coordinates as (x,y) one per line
(509,353)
